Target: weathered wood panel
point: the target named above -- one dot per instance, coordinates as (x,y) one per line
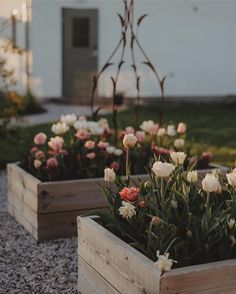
(122,266)
(216,277)
(91,282)
(110,261)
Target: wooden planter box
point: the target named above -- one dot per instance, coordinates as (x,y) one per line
(108,265)
(48,210)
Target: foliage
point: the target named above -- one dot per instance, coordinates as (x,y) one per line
(191,221)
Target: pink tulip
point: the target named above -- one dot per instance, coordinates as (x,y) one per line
(129,130)
(140,135)
(181,129)
(52,163)
(103,144)
(40,139)
(91,155)
(39,155)
(115,165)
(56,143)
(89,144)
(82,134)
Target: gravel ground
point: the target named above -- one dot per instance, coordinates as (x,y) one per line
(30,268)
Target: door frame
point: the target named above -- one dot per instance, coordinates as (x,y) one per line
(63,9)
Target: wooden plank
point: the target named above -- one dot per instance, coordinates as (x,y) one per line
(58,225)
(70,195)
(91,282)
(16,214)
(216,277)
(127,270)
(23,209)
(27,179)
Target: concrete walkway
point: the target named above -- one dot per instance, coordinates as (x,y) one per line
(53,113)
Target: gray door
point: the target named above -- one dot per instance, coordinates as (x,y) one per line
(80,45)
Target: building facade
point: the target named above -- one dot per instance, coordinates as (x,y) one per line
(192,42)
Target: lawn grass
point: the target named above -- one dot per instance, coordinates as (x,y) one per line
(212,127)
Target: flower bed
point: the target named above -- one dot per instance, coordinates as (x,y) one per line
(109,265)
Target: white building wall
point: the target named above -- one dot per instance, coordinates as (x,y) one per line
(192,42)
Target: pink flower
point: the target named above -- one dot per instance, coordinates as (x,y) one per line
(103,144)
(140,135)
(160,151)
(121,135)
(91,155)
(181,129)
(141,203)
(89,144)
(56,143)
(82,134)
(39,155)
(34,150)
(115,165)
(154,129)
(129,194)
(40,139)
(52,163)
(129,130)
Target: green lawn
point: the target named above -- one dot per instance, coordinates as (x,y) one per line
(213,127)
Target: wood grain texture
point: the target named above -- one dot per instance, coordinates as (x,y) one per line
(91,282)
(107,260)
(216,277)
(127,270)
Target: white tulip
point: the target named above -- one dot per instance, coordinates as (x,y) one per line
(37,163)
(192,176)
(103,123)
(109,175)
(110,149)
(147,126)
(179,143)
(127,210)
(178,157)
(171,131)
(81,124)
(161,132)
(211,184)
(69,119)
(162,169)
(60,128)
(118,152)
(231,223)
(164,263)
(129,140)
(231,178)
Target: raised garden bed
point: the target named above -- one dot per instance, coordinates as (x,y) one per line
(109,265)
(48,210)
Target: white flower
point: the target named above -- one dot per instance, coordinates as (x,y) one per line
(81,124)
(60,128)
(171,131)
(129,140)
(164,263)
(118,152)
(162,169)
(147,126)
(103,123)
(161,132)
(110,149)
(231,223)
(37,163)
(211,184)
(127,210)
(179,143)
(178,157)
(69,119)
(231,178)
(109,175)
(192,176)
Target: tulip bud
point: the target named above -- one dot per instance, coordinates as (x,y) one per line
(109,175)
(155,220)
(129,141)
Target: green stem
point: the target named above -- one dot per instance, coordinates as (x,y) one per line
(127,163)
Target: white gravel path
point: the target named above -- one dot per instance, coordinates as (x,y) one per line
(30,268)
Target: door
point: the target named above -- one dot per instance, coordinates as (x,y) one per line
(80,45)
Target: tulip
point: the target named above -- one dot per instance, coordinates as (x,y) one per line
(109,175)
(178,157)
(40,139)
(162,169)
